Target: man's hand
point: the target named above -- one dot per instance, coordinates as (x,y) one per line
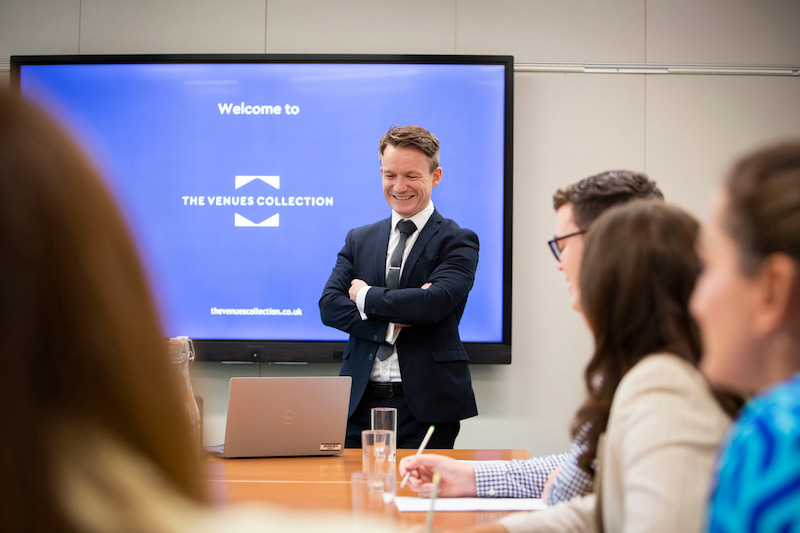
(355,286)
(458,478)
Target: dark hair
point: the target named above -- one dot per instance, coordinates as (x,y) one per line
(414,137)
(763,213)
(80,341)
(638,271)
(591,196)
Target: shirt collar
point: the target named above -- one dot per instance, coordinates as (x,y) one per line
(419,220)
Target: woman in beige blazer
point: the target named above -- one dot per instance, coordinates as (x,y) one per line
(655,423)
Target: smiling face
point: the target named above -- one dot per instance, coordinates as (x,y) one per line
(571,253)
(724,304)
(408,180)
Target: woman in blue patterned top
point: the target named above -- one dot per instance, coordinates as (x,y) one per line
(748,305)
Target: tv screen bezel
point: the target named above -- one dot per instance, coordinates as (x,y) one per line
(307,351)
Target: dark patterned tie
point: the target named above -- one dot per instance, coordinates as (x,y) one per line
(406,228)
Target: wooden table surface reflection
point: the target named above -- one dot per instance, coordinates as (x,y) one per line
(323,483)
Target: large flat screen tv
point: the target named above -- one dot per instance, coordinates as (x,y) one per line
(240,176)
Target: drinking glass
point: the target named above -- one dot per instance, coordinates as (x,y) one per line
(377,450)
(373,495)
(385,418)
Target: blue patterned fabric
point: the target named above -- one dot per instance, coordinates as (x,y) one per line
(757,487)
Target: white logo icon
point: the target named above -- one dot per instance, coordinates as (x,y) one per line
(274,181)
(240,221)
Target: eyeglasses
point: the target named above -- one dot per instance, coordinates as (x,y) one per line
(554,246)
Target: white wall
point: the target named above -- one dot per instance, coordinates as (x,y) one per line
(681,129)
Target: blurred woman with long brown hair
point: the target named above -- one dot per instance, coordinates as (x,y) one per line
(655,423)
(95,437)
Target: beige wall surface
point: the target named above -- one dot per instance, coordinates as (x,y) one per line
(684,130)
(744,32)
(696,123)
(567,30)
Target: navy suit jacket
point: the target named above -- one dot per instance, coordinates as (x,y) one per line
(433,361)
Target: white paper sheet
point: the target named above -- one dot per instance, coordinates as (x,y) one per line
(414,504)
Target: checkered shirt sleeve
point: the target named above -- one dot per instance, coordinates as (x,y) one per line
(571,480)
(514,479)
(526,479)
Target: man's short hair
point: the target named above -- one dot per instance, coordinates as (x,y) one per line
(591,196)
(414,137)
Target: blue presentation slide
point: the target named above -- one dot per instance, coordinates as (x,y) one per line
(240,181)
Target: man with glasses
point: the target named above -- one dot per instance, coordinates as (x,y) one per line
(554,478)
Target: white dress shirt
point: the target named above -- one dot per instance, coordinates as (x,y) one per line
(389,368)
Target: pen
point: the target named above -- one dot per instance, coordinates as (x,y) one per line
(437,477)
(419,451)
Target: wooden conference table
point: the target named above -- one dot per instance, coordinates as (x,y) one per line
(323,483)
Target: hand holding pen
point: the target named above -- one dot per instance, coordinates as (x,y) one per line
(419,452)
(457,477)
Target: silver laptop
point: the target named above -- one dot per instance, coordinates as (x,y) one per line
(287,416)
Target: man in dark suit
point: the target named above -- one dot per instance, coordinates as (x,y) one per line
(399,289)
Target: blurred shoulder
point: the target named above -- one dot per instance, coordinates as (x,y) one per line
(662,372)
